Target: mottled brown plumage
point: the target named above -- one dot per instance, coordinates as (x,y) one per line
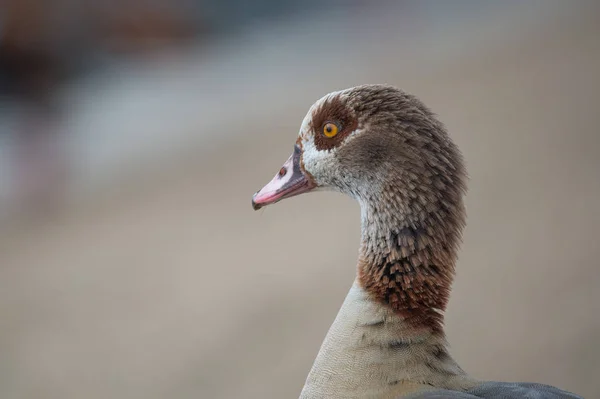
(414,220)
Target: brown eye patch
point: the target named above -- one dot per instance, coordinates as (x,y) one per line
(334,111)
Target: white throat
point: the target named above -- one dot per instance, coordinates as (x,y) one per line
(370,352)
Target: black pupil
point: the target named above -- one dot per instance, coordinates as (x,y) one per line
(329,129)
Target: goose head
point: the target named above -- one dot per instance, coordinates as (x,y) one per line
(381,146)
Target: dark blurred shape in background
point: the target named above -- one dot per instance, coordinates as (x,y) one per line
(45,45)
(133,133)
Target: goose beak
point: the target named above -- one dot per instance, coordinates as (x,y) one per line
(290,181)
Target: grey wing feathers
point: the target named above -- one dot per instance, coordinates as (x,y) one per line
(441,394)
(501,390)
(527,390)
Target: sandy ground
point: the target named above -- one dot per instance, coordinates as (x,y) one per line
(174,287)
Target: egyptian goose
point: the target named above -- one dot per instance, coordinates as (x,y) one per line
(387,150)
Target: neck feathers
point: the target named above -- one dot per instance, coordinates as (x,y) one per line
(412,273)
(388,339)
(407,257)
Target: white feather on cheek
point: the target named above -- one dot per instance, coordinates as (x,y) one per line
(326,169)
(322,165)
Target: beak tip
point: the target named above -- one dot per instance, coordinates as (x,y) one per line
(255,206)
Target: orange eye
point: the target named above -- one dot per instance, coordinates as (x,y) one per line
(330,130)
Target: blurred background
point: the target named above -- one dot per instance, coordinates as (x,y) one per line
(134,132)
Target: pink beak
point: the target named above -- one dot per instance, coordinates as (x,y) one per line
(290,181)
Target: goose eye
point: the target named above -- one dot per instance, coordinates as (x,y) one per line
(330,130)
